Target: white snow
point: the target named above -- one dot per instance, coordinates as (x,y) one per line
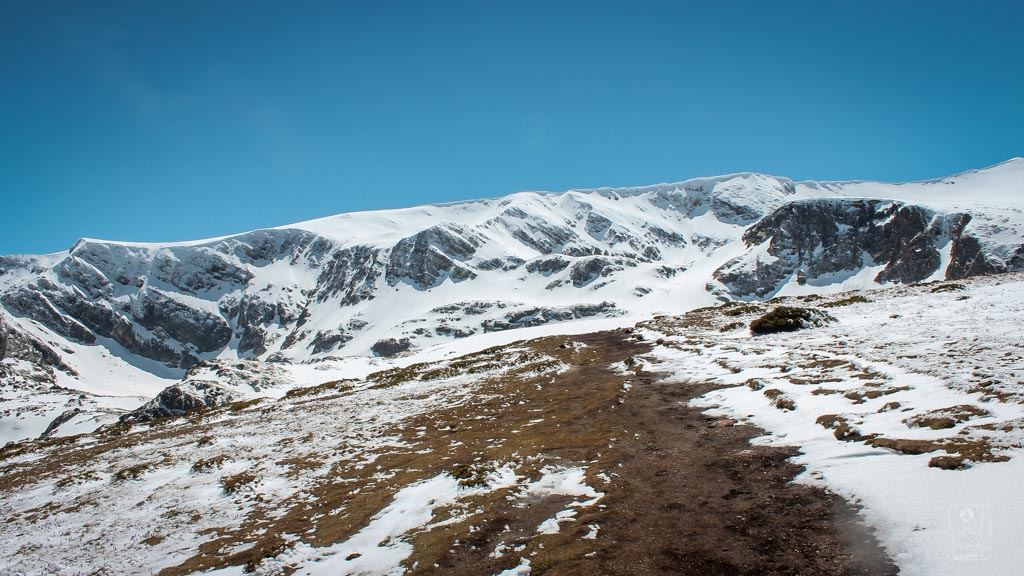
(523,569)
(926,351)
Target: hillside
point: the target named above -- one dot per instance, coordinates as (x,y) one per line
(105,327)
(581,454)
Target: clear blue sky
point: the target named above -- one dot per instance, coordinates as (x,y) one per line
(157,121)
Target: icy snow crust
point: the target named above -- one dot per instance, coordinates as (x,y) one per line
(887,367)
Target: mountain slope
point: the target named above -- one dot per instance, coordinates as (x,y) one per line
(589,454)
(104,325)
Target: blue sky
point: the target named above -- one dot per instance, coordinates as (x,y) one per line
(159,121)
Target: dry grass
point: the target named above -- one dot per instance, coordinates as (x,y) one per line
(946,418)
(853,299)
(466,441)
(132,472)
(960,451)
(238,482)
(862,395)
(779,399)
(841,427)
(209,464)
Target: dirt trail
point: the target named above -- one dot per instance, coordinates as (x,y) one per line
(696,498)
(689,495)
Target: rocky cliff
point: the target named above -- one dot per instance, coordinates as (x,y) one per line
(819,241)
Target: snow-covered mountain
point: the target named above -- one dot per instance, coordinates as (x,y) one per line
(99,329)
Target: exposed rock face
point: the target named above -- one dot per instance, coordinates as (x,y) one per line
(426,259)
(3,339)
(335,338)
(474,308)
(504,264)
(179,399)
(201,330)
(31,302)
(149,299)
(548,266)
(586,271)
(211,384)
(350,275)
(388,347)
(40,362)
(536,232)
(968,256)
(539,316)
(454,332)
(819,240)
(59,421)
(258,310)
(597,225)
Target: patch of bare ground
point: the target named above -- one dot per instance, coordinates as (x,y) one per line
(693,496)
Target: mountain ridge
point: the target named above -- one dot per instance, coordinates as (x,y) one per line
(130,318)
(1014,162)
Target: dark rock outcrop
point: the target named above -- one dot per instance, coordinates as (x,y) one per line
(350,275)
(181,398)
(587,270)
(826,238)
(538,316)
(426,259)
(504,264)
(454,332)
(537,233)
(548,266)
(388,347)
(329,340)
(210,384)
(154,309)
(31,302)
(3,339)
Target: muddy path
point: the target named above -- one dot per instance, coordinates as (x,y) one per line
(688,494)
(695,497)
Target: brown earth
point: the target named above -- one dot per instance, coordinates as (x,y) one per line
(689,494)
